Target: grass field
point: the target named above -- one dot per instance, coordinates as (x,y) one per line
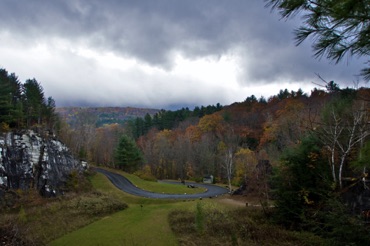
(145,222)
(136,225)
(173,222)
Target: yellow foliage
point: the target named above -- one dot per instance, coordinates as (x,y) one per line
(164,133)
(189,170)
(221,146)
(4,127)
(245,163)
(304,194)
(193,133)
(210,123)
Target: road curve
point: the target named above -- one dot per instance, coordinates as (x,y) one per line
(125,185)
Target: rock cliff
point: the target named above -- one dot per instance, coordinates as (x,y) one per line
(28,160)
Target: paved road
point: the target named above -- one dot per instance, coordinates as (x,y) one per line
(124,184)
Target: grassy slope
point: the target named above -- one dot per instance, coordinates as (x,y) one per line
(146,225)
(134,226)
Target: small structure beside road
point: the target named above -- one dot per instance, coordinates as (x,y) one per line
(208,179)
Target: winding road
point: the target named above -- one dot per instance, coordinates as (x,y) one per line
(125,185)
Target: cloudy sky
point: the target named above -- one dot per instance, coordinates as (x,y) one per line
(159,53)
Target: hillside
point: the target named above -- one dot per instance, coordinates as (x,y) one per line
(102,115)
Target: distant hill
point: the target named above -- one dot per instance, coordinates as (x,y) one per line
(101,115)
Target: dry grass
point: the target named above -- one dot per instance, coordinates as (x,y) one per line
(34,220)
(38,225)
(225,225)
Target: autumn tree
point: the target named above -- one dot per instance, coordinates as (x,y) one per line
(227,148)
(245,163)
(211,124)
(163,151)
(337,27)
(101,149)
(182,152)
(147,145)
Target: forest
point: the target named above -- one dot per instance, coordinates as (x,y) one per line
(308,153)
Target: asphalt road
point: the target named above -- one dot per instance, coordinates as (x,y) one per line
(125,185)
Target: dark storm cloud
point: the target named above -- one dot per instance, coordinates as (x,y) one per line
(148,30)
(155,31)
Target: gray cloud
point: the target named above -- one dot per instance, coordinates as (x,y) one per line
(153,32)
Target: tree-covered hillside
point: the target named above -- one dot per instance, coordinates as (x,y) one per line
(101,115)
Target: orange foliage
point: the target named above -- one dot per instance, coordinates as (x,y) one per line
(193,133)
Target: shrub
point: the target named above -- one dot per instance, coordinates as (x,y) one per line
(78,182)
(245,226)
(96,204)
(146,174)
(199,218)
(22,216)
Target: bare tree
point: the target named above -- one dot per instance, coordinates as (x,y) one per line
(228,149)
(343,131)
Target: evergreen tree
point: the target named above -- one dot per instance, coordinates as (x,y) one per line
(127,155)
(10,99)
(34,102)
(147,123)
(49,114)
(302,183)
(338,27)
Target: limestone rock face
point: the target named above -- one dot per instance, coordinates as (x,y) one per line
(29,161)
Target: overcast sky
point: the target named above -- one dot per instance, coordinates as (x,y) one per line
(159,53)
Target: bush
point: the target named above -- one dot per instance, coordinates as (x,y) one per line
(245,226)
(335,222)
(302,183)
(305,199)
(78,182)
(199,218)
(97,204)
(146,174)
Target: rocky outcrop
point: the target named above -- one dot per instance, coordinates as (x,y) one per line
(28,160)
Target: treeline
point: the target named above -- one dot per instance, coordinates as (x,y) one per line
(240,136)
(167,119)
(23,105)
(100,145)
(103,115)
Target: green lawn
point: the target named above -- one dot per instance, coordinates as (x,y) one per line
(145,222)
(136,225)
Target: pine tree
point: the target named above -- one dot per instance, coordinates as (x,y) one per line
(302,184)
(10,99)
(338,27)
(127,155)
(34,101)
